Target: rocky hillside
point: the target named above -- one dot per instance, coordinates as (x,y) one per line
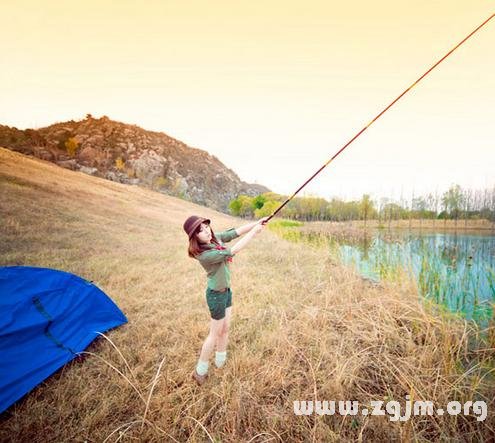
(130,154)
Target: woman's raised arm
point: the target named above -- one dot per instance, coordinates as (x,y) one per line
(244,241)
(246,228)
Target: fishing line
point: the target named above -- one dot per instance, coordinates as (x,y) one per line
(379,115)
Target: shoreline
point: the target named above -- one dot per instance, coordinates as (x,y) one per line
(354,228)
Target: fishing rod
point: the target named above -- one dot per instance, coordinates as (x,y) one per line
(379,115)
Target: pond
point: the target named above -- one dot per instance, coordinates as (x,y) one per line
(453,269)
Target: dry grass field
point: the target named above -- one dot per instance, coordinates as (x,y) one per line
(304,328)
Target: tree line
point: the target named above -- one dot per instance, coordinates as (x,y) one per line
(455,203)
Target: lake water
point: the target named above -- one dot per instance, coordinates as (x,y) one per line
(457,270)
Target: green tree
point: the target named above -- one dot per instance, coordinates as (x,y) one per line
(246,205)
(267,209)
(453,200)
(259,201)
(393,211)
(274,196)
(242,206)
(366,208)
(235,207)
(335,210)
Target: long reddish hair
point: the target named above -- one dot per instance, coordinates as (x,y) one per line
(195,247)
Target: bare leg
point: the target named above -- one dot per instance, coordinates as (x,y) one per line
(216,327)
(224,332)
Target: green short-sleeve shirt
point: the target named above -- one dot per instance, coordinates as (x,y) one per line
(215,262)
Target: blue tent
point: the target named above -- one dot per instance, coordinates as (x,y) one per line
(46,318)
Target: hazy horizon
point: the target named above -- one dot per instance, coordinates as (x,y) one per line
(393,194)
(274,89)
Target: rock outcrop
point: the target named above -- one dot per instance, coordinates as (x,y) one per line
(130,154)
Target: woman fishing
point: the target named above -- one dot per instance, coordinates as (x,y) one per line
(208,248)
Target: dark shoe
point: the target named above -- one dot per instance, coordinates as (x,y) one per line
(200,379)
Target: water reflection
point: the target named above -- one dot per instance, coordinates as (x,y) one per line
(453,269)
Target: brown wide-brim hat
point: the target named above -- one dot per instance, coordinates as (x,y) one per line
(192,223)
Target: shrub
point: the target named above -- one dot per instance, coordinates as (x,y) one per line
(119,163)
(71,145)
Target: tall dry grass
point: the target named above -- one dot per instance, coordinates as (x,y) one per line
(427,224)
(356,231)
(303,328)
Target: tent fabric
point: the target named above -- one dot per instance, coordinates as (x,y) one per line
(46,317)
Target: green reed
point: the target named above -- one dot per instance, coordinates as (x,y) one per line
(443,276)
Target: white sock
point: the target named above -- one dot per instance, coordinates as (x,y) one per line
(220,358)
(202,367)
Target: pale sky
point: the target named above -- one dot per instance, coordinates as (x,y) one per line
(272,88)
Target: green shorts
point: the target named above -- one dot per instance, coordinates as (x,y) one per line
(218,302)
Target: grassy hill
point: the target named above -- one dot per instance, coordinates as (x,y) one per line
(303,328)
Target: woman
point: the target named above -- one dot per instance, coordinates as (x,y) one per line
(210,251)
